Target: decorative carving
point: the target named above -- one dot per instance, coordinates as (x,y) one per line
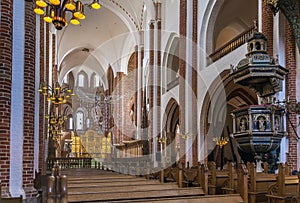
(259,71)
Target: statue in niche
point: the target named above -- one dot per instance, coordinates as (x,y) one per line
(268,123)
(261,123)
(277,123)
(243,124)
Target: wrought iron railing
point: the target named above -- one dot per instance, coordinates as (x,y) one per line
(232,45)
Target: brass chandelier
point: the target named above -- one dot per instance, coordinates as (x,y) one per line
(56,94)
(55,11)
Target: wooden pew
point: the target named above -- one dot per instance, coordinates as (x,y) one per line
(216,179)
(170,174)
(237,181)
(230,184)
(286,188)
(242,182)
(125,192)
(234,198)
(259,182)
(191,176)
(195,177)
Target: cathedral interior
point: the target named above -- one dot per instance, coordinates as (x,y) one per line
(201,97)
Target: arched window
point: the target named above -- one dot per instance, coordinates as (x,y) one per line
(96,80)
(81,80)
(69,123)
(88,123)
(79,120)
(65,80)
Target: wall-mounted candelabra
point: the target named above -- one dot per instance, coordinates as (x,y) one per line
(221,141)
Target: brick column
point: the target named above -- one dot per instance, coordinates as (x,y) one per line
(290,51)
(54,60)
(140,50)
(194,83)
(150,85)
(157,85)
(42,103)
(6,28)
(46,75)
(29,95)
(267,25)
(182,73)
(136,94)
(118,112)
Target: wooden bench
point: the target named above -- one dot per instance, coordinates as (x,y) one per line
(170,174)
(194,177)
(234,198)
(191,177)
(237,181)
(259,182)
(216,179)
(109,196)
(230,184)
(286,188)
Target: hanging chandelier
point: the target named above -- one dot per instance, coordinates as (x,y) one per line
(56,94)
(55,11)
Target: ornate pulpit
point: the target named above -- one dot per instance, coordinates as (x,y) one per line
(259,128)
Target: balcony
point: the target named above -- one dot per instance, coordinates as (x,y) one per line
(232,45)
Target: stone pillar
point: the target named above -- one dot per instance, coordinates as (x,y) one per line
(290,51)
(6,37)
(29,94)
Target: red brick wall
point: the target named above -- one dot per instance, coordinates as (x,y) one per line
(290,51)
(267,26)
(182,71)
(6,24)
(29,104)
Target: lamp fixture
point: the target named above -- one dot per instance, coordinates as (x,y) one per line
(185,135)
(55,11)
(162,139)
(56,122)
(56,94)
(221,141)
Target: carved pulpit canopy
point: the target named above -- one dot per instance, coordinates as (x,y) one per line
(258,70)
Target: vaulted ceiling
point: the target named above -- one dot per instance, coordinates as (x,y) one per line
(106,37)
